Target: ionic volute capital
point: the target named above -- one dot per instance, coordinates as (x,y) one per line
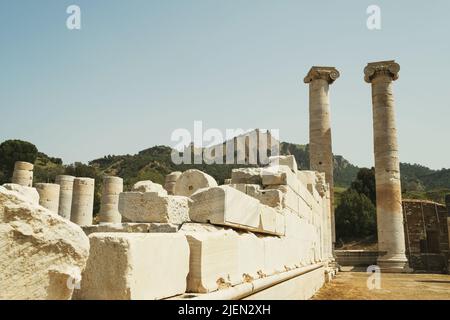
(329,74)
(374,69)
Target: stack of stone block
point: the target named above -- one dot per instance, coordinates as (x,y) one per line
(144,258)
(264,222)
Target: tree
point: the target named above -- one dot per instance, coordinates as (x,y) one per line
(355,216)
(356,213)
(365,183)
(12,151)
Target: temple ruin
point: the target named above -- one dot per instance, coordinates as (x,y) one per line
(267,233)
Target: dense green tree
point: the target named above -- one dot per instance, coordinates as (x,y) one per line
(365,183)
(12,151)
(356,212)
(355,216)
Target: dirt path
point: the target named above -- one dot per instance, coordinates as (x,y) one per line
(353,286)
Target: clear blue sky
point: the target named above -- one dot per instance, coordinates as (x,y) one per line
(137,70)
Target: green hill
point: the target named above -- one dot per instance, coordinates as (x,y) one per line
(154,163)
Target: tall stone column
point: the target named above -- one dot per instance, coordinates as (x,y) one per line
(48,196)
(65,195)
(23,173)
(82,201)
(391,235)
(109,207)
(320,150)
(447,203)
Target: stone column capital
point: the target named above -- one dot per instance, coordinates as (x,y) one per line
(374,69)
(330,74)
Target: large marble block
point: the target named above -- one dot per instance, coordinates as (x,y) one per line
(247,175)
(270,197)
(251,256)
(284,161)
(152,207)
(214,258)
(135,266)
(226,206)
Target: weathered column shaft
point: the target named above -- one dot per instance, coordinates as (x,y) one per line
(48,196)
(65,195)
(82,201)
(171,179)
(109,207)
(23,174)
(447,203)
(320,147)
(391,236)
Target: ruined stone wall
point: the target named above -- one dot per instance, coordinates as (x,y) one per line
(426,235)
(356,258)
(269,224)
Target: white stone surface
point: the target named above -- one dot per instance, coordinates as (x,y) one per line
(42,254)
(226,206)
(29,193)
(109,206)
(214,258)
(23,174)
(170,181)
(247,175)
(314,182)
(284,161)
(251,256)
(48,196)
(149,186)
(192,180)
(302,287)
(145,266)
(65,195)
(151,207)
(81,212)
(270,197)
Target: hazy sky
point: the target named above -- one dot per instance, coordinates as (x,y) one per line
(137,70)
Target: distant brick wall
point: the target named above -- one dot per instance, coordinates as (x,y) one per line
(426,235)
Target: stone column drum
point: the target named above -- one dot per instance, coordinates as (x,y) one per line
(320,150)
(391,236)
(48,196)
(23,173)
(109,208)
(82,201)
(65,195)
(171,179)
